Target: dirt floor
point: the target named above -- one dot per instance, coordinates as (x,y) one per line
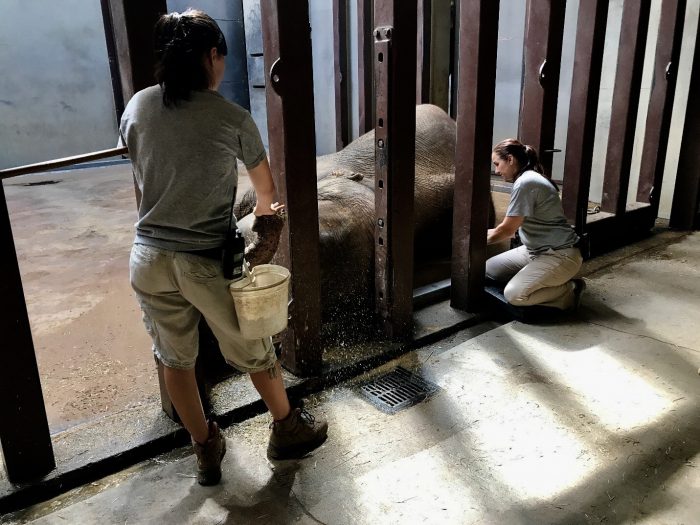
(73,231)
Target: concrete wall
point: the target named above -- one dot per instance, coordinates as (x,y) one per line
(55,88)
(321,18)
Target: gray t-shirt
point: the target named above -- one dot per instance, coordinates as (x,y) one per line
(545,225)
(184,161)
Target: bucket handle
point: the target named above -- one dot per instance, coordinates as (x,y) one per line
(247,272)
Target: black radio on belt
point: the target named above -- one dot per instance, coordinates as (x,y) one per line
(234,250)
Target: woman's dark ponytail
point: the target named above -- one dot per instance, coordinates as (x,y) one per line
(533,160)
(182,42)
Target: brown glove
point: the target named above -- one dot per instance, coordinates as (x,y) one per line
(267,230)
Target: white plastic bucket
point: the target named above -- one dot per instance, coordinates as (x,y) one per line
(261,298)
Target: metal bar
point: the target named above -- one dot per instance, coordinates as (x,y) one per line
(133,22)
(440,50)
(365,65)
(454,58)
(668,51)
(478,44)
(623,115)
(544,31)
(41,167)
(113,62)
(395,130)
(340,54)
(290,117)
(424,37)
(24,429)
(583,109)
(685,210)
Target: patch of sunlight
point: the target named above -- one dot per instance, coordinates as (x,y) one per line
(425,487)
(502,461)
(210,512)
(528,450)
(615,394)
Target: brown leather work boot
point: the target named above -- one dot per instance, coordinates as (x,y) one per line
(209,456)
(296,435)
(579,288)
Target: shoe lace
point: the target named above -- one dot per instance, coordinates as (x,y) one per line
(307,417)
(304,415)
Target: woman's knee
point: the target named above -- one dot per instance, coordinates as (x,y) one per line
(514,295)
(494,271)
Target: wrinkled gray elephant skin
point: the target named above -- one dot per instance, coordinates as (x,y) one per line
(346,213)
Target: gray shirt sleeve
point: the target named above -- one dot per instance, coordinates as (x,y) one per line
(522,200)
(251,146)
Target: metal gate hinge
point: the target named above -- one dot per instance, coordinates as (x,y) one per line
(544,68)
(670,70)
(276,76)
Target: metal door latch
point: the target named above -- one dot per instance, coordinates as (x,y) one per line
(383,33)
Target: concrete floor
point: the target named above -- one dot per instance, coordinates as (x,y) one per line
(594,419)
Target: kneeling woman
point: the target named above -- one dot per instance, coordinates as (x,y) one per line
(539,272)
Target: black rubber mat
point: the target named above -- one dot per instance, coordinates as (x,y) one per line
(525,314)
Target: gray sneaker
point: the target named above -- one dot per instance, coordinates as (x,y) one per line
(296,435)
(209,456)
(579,288)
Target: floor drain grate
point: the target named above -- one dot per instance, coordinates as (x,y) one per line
(397,390)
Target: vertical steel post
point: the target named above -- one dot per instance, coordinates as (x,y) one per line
(668,51)
(478,44)
(544,31)
(454,62)
(395,130)
(440,50)
(292,138)
(117,91)
(685,211)
(340,57)
(583,109)
(365,65)
(423,63)
(132,22)
(623,115)
(24,429)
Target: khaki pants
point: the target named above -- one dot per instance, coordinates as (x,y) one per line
(175,289)
(543,278)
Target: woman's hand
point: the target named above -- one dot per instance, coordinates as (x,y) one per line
(263,207)
(505,230)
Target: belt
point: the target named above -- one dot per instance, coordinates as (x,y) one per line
(211,253)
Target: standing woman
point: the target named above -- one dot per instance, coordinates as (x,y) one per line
(541,271)
(184,140)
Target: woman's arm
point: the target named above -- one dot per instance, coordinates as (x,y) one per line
(505,230)
(267,224)
(261,179)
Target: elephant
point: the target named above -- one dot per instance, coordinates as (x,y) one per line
(347,219)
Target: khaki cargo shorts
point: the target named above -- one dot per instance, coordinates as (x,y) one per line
(175,289)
